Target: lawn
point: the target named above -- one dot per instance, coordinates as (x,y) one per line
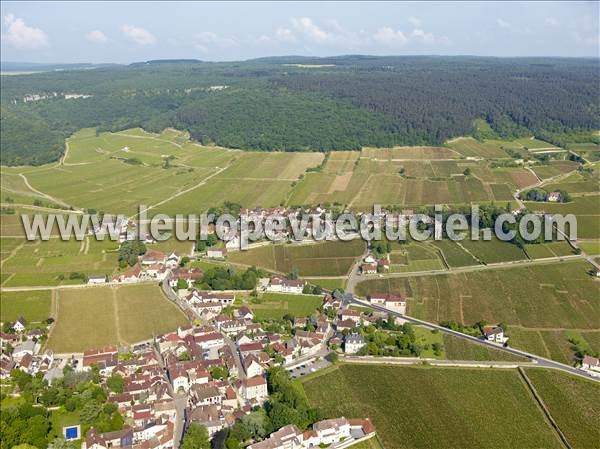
(329,284)
(33,305)
(435,407)
(573,403)
(94,317)
(319,259)
(273,306)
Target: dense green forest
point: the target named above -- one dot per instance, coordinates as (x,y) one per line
(284,104)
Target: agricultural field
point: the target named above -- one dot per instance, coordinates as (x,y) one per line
(415,257)
(573,403)
(273,306)
(493,251)
(32,305)
(94,317)
(586,209)
(551,249)
(590,246)
(52,262)
(460,349)
(454,254)
(554,168)
(329,284)
(319,259)
(450,406)
(577,183)
(553,295)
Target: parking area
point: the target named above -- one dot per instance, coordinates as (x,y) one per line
(308,367)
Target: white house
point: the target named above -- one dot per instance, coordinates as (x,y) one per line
(331,431)
(254,388)
(494,334)
(216,253)
(590,363)
(97,279)
(353,343)
(19,325)
(281,284)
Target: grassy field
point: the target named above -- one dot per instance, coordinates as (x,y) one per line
(320,259)
(552,249)
(435,407)
(573,403)
(98,316)
(33,305)
(590,246)
(454,254)
(273,306)
(329,284)
(552,295)
(586,209)
(34,263)
(460,349)
(493,251)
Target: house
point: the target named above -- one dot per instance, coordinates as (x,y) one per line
(368,268)
(331,431)
(345,325)
(19,325)
(189,276)
(129,276)
(555,197)
(96,279)
(8,338)
(172,261)
(245,313)
(27,347)
(122,439)
(254,388)
(216,253)
(350,314)
(252,366)
(394,302)
(590,363)
(153,258)
(282,284)
(288,437)
(353,343)
(494,334)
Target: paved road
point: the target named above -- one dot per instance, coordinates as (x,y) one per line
(541,361)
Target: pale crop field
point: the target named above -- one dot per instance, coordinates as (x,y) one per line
(98,316)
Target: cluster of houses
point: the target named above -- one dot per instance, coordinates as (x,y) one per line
(155,266)
(21,349)
(371,265)
(333,433)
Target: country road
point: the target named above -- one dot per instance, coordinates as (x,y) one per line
(540,361)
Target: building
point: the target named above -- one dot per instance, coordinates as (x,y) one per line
(122,439)
(280,284)
(97,279)
(494,334)
(216,253)
(368,268)
(20,324)
(555,197)
(353,343)
(254,388)
(590,363)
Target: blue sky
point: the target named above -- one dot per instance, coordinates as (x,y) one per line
(134,31)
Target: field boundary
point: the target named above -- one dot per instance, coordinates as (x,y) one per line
(542,404)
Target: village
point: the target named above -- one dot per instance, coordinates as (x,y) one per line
(215,371)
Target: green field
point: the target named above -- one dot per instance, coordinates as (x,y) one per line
(586,209)
(329,284)
(98,316)
(33,305)
(493,251)
(39,263)
(573,403)
(319,259)
(454,254)
(435,407)
(460,349)
(552,249)
(273,306)
(554,295)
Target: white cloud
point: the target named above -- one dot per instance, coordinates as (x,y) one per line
(285,35)
(307,27)
(138,35)
(207,40)
(389,36)
(503,23)
(415,22)
(20,35)
(552,22)
(97,37)
(424,36)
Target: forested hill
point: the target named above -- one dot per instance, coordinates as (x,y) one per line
(301,104)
